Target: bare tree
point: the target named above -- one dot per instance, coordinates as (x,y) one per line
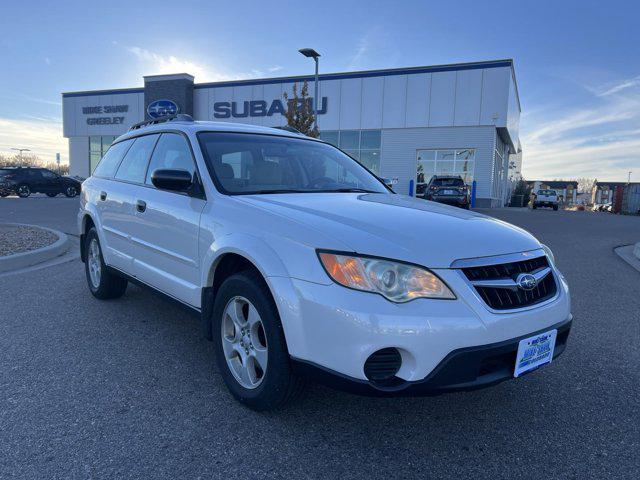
(300,114)
(32,160)
(585,184)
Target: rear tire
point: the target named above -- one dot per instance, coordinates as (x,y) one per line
(103,284)
(23,190)
(269,382)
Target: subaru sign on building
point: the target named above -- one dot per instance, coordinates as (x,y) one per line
(404,124)
(162,108)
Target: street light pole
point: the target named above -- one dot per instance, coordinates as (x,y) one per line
(311,53)
(20,154)
(629,178)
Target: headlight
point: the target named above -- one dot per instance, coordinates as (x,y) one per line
(549,253)
(398,282)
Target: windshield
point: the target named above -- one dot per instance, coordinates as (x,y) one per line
(448,182)
(244,163)
(546,192)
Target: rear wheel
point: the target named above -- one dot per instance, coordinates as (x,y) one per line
(23,190)
(102,283)
(251,351)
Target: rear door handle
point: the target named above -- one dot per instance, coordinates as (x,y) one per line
(103,196)
(141,206)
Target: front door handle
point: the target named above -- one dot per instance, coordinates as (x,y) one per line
(103,196)
(141,206)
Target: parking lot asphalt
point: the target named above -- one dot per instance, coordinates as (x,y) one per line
(128,388)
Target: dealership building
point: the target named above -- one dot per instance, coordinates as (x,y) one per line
(404,124)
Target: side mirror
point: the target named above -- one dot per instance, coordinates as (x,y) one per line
(174,180)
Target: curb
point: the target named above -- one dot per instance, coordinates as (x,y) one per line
(39,255)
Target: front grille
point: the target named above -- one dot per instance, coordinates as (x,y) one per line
(507,298)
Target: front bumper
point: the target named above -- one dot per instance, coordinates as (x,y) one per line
(338,329)
(464,369)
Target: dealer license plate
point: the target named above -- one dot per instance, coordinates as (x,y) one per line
(535,351)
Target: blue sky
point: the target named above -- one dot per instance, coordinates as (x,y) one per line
(577,63)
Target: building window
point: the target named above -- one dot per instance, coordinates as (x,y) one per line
(362,145)
(98,146)
(450,161)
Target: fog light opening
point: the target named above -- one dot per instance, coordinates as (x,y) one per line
(382,365)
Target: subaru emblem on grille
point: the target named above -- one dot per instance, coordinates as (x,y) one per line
(526,281)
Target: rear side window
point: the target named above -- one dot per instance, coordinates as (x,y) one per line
(171,152)
(134,164)
(448,182)
(109,163)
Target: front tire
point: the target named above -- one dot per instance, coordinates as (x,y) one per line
(23,191)
(102,283)
(251,351)
(71,191)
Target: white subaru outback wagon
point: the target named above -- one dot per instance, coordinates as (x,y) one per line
(302,263)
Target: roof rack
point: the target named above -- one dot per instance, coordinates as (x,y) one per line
(180,117)
(288,128)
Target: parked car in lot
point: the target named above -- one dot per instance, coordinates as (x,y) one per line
(449,189)
(545,198)
(302,263)
(24,181)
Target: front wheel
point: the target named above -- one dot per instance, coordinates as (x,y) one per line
(251,352)
(23,191)
(71,191)
(102,283)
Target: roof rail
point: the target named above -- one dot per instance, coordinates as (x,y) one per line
(180,117)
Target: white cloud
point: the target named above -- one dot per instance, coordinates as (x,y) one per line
(362,48)
(275,68)
(156,63)
(600,140)
(42,136)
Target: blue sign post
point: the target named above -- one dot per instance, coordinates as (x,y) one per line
(473,194)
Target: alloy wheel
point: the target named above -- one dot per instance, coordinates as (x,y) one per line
(93,262)
(244,342)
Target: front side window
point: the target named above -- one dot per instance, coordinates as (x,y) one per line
(133,167)
(249,163)
(48,174)
(109,163)
(172,152)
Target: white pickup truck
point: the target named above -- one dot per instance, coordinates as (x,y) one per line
(545,198)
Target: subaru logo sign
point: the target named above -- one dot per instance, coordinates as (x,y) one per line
(162,108)
(526,281)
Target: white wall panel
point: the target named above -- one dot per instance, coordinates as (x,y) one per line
(273,91)
(241,97)
(395,101)
(257,93)
(350,104)
(495,94)
(418,99)
(79,156)
(468,97)
(443,98)
(371,107)
(331,119)
(201,104)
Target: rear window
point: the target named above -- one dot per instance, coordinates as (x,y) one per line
(109,163)
(448,182)
(546,192)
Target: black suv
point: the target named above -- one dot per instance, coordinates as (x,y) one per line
(449,189)
(27,180)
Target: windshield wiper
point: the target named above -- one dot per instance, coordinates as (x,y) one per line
(279,190)
(348,190)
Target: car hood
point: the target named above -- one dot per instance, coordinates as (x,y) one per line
(397,226)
